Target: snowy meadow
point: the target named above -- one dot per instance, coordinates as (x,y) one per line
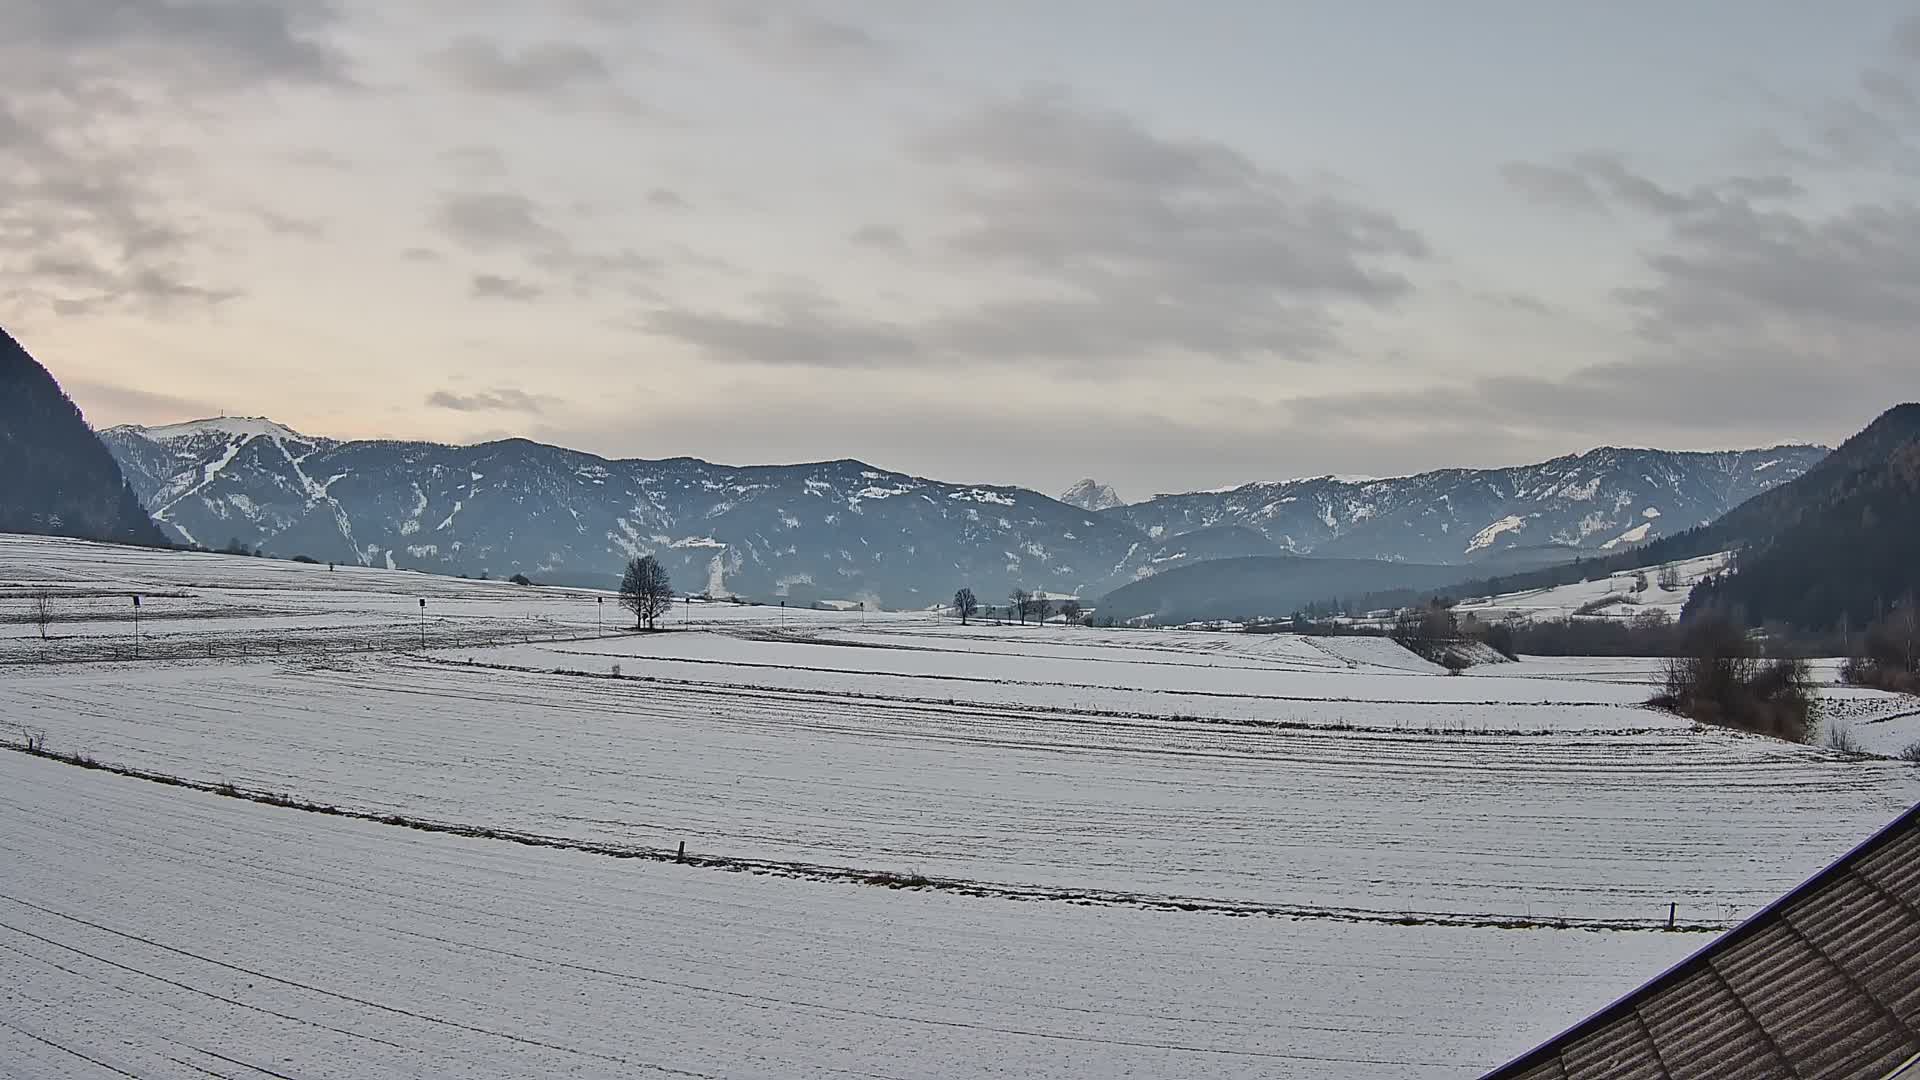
(336,832)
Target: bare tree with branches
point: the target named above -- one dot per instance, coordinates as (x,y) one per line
(966,604)
(1070,611)
(42,611)
(646,590)
(1021,601)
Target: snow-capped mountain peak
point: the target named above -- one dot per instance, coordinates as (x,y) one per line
(231,427)
(1089,494)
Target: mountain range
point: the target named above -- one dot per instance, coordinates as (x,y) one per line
(848,530)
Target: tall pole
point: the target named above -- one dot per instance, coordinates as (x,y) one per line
(423,624)
(136,626)
(599,614)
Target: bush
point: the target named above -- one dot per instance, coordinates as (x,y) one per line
(1888,656)
(1911,753)
(308,559)
(521,579)
(1719,678)
(1840,737)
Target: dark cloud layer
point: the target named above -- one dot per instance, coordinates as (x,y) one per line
(1125,243)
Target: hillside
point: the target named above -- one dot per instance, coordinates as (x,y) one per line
(824,530)
(60,479)
(1834,531)
(1840,552)
(1592,503)
(1268,586)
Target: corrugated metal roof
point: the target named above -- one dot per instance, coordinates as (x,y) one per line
(1823,983)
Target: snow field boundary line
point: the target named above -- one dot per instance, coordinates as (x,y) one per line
(1079,712)
(801,871)
(1293,698)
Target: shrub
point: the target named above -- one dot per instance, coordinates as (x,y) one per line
(1840,737)
(308,559)
(1719,678)
(1911,753)
(521,579)
(1888,655)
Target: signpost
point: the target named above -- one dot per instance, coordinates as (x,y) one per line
(136,626)
(423,623)
(599,616)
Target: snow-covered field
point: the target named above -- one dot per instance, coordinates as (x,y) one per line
(1616,596)
(1158,853)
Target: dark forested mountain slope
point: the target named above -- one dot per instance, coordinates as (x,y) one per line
(55,475)
(1840,549)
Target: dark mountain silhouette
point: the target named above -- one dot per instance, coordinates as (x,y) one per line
(59,479)
(1839,547)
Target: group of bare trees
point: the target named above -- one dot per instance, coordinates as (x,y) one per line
(1719,677)
(1021,604)
(1888,654)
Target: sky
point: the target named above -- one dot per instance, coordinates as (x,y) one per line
(1168,245)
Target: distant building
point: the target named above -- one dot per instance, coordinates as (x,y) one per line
(1823,983)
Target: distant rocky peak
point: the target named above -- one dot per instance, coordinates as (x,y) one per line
(1090,494)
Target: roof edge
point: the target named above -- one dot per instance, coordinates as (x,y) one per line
(1747,928)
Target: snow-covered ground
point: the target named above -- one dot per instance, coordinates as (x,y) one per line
(1437,871)
(1614,596)
(165,933)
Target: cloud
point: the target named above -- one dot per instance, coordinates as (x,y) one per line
(791,329)
(119,403)
(499,399)
(286,225)
(1906,38)
(1108,243)
(494,220)
(1552,185)
(776,32)
(506,222)
(1194,245)
(667,199)
(198,43)
(83,182)
(878,237)
(475,162)
(547,72)
(495,287)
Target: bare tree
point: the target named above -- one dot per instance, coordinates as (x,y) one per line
(966,604)
(1022,601)
(646,590)
(42,611)
(1669,579)
(1070,610)
(1042,607)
